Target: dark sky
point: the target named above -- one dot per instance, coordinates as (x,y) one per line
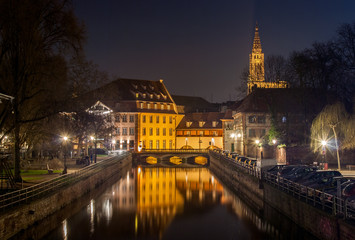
(199,47)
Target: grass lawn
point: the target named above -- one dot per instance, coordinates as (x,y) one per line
(37,172)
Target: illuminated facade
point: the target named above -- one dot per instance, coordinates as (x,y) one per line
(257,70)
(143,113)
(200,131)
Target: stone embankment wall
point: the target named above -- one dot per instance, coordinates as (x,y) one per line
(237,179)
(263,196)
(22,217)
(314,220)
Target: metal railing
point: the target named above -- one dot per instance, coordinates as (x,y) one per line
(250,169)
(174,151)
(317,198)
(28,194)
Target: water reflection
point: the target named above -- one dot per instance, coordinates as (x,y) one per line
(166,203)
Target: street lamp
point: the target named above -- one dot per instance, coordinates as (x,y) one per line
(113,144)
(256,148)
(65,139)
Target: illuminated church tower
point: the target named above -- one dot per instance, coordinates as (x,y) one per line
(256,68)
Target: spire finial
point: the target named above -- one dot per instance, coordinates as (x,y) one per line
(256,43)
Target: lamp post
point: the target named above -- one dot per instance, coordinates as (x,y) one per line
(256,148)
(94,140)
(324,143)
(65,139)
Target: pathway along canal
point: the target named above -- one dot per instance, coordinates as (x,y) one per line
(164,203)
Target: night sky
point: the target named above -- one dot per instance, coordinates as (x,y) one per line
(199,47)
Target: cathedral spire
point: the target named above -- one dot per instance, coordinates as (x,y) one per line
(256,43)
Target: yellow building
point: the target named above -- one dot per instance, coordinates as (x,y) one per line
(200,131)
(257,70)
(143,114)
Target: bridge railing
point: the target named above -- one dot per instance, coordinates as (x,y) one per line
(174,151)
(28,194)
(320,199)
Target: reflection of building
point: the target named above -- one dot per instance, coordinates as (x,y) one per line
(200,131)
(163,192)
(256,68)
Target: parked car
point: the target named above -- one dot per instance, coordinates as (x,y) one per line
(275,169)
(242,160)
(299,172)
(313,177)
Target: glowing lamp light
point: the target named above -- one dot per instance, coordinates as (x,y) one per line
(232,135)
(239,135)
(65,138)
(92,138)
(324,143)
(113,141)
(274,141)
(257,141)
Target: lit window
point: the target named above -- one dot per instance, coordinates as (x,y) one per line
(142,105)
(162,106)
(131,131)
(284,119)
(131,118)
(155,106)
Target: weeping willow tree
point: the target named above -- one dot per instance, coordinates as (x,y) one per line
(332,122)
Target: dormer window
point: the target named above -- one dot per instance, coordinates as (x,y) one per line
(144,95)
(162,106)
(135,86)
(151,87)
(201,123)
(148,105)
(155,106)
(141,105)
(158,96)
(188,124)
(137,95)
(168,106)
(144,87)
(214,124)
(151,96)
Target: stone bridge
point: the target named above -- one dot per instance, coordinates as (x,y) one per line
(172,158)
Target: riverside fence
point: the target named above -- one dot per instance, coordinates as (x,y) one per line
(28,194)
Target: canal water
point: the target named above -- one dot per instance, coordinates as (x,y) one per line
(167,203)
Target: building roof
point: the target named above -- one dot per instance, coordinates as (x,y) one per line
(122,95)
(195,118)
(283,100)
(194,104)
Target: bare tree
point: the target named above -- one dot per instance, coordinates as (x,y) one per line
(35,40)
